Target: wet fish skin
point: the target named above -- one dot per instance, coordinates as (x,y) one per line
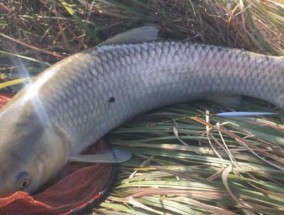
(141,77)
(81,98)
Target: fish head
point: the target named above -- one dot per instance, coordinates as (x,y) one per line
(30,151)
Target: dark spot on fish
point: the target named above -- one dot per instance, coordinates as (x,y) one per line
(111,100)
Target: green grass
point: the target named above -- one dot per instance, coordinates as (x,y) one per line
(186,159)
(175,169)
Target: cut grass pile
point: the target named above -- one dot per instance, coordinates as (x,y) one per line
(186,159)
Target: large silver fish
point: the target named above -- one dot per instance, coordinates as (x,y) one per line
(81,98)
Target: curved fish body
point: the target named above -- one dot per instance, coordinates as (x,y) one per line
(81,98)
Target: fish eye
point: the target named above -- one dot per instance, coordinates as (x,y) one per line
(23,180)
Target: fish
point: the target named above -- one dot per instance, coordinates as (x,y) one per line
(81,98)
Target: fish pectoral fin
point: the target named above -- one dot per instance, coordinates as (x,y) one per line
(245,114)
(113,156)
(135,35)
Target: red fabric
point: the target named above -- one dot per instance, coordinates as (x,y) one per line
(4,98)
(77,186)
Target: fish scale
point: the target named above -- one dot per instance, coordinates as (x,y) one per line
(144,76)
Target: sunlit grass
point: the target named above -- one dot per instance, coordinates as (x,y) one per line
(187,161)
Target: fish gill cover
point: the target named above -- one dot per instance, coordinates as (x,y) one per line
(187,159)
